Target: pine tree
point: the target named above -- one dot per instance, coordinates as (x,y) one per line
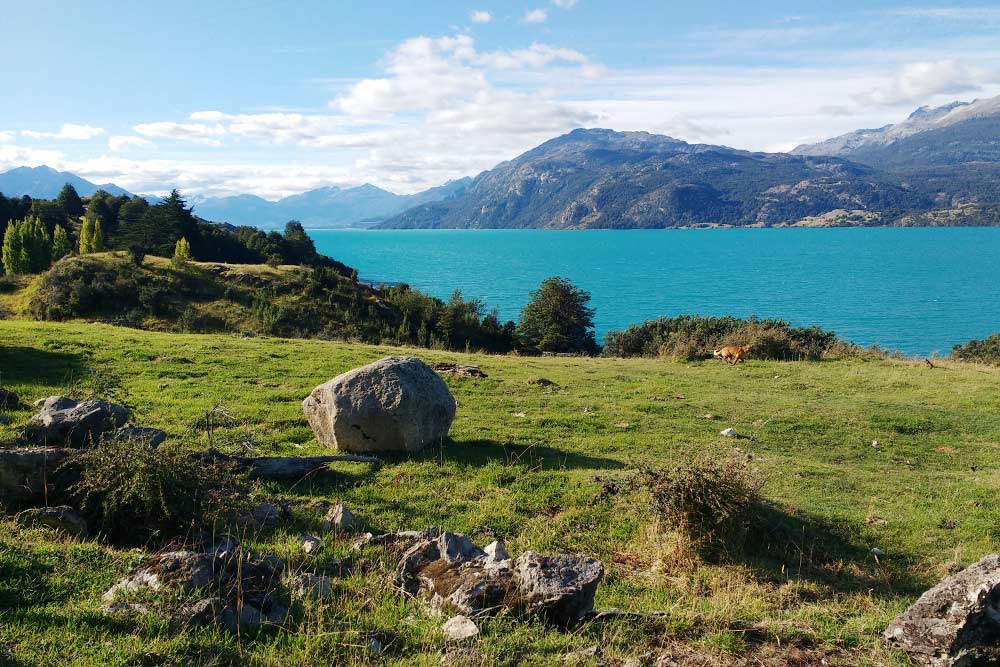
(37,244)
(69,201)
(97,240)
(60,243)
(14,255)
(87,236)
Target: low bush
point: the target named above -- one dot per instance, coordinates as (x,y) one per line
(691,337)
(709,501)
(134,491)
(985,351)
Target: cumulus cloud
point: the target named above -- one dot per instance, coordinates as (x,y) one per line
(199,133)
(916,82)
(70,131)
(535,16)
(481,16)
(123,142)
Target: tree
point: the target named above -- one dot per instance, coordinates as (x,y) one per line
(60,243)
(69,201)
(97,240)
(182,251)
(161,226)
(558,319)
(87,235)
(15,258)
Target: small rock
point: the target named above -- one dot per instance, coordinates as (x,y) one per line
(63,518)
(311,586)
(222,545)
(310,545)
(154,437)
(519,414)
(262,517)
(458,370)
(728,432)
(878,553)
(875,521)
(375,646)
(581,656)
(124,608)
(459,628)
(875,443)
(8,399)
(495,553)
(341,519)
(709,415)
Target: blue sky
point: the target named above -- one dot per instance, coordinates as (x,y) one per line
(275,98)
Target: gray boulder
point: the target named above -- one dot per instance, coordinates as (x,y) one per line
(75,423)
(25,473)
(153,437)
(395,404)
(185,570)
(62,518)
(956,623)
(561,588)
(8,399)
(341,519)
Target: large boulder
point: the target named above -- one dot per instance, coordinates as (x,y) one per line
(62,518)
(27,474)
(395,404)
(62,420)
(956,623)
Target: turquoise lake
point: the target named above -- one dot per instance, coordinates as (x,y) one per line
(913,290)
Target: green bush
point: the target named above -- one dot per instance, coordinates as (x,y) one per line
(709,502)
(985,351)
(134,491)
(691,337)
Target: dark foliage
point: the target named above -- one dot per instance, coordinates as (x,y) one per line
(695,337)
(557,319)
(985,351)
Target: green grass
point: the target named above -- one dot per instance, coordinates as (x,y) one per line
(807,585)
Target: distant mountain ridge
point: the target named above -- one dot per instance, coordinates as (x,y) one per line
(329,206)
(602,179)
(45,183)
(955,133)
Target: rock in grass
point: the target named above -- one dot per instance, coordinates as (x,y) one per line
(185,570)
(62,518)
(154,437)
(395,404)
(63,420)
(956,623)
(728,432)
(27,473)
(560,588)
(459,628)
(341,519)
(8,399)
(311,586)
(310,545)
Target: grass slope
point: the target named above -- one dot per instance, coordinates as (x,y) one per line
(521,465)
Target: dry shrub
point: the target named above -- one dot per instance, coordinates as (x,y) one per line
(133,491)
(709,501)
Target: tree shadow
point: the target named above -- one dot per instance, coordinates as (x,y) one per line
(29,365)
(782,547)
(483,452)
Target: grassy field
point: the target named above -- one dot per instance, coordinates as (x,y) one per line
(531,465)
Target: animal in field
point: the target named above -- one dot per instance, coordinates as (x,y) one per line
(733,354)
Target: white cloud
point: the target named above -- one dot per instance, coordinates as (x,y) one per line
(916,82)
(6,136)
(121,142)
(12,156)
(199,133)
(70,131)
(481,16)
(535,16)
(564,4)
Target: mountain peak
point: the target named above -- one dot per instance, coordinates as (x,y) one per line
(44,182)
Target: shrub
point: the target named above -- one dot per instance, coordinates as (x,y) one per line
(690,337)
(133,490)
(708,501)
(985,351)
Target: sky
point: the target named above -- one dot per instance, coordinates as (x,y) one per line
(275,98)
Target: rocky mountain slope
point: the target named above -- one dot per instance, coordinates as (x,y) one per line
(596,178)
(45,183)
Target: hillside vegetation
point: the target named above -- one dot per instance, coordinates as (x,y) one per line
(855,455)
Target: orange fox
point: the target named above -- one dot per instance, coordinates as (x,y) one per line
(733,354)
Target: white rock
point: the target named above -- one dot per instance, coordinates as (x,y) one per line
(341,519)
(459,628)
(310,544)
(728,432)
(495,553)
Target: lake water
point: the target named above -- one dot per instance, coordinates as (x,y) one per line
(913,290)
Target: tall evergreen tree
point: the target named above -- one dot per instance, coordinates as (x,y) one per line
(37,244)
(69,201)
(558,319)
(97,240)
(182,251)
(60,243)
(15,259)
(87,235)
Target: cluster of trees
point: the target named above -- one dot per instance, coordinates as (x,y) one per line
(107,222)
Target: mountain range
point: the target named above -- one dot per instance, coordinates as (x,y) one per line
(940,166)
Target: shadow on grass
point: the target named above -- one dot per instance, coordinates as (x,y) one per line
(482,452)
(28,365)
(782,546)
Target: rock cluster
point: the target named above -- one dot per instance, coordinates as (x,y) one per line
(64,421)
(450,573)
(957,622)
(395,404)
(243,590)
